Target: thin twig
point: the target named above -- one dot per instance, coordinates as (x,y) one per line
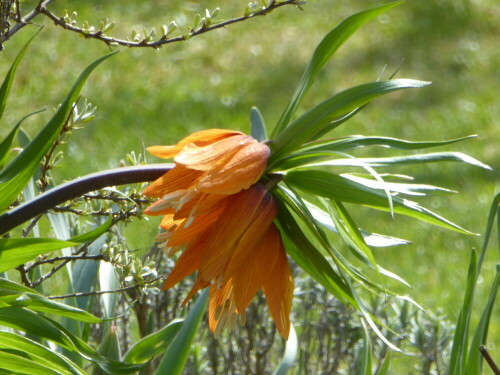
(97,293)
(115,199)
(24,277)
(162,41)
(489,360)
(31,225)
(26,20)
(68,258)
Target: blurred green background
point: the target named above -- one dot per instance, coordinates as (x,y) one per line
(147,97)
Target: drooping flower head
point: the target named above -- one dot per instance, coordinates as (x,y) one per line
(217,212)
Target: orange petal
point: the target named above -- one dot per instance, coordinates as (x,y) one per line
(178,178)
(242,170)
(204,158)
(201,204)
(169,223)
(200,225)
(205,137)
(186,264)
(217,303)
(157,209)
(235,219)
(249,278)
(164,152)
(278,288)
(252,237)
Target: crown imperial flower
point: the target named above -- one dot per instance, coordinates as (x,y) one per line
(220,215)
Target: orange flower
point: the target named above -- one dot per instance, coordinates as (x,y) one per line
(216,211)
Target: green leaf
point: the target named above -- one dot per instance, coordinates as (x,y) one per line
(258,125)
(319,120)
(33,323)
(16,363)
(93,234)
(43,304)
(306,255)
(384,368)
(291,349)
(16,251)
(7,82)
(322,149)
(7,142)
(37,353)
(16,175)
(409,160)
(327,47)
(371,239)
(366,352)
(458,357)
(154,344)
(474,359)
(350,233)
(335,187)
(108,280)
(175,358)
(9,287)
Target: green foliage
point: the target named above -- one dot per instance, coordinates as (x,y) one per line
(176,355)
(465,356)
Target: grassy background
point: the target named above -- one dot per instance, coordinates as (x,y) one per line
(156,97)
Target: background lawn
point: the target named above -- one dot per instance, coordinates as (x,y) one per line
(147,97)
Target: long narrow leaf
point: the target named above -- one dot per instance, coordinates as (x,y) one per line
(176,356)
(305,254)
(7,142)
(371,239)
(40,303)
(318,120)
(411,159)
(16,251)
(30,322)
(16,175)
(366,352)
(335,187)
(327,47)
(16,363)
(154,344)
(474,359)
(291,349)
(458,357)
(7,82)
(38,353)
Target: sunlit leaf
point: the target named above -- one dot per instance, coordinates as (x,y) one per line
(371,239)
(16,175)
(7,82)
(327,47)
(458,357)
(40,303)
(37,353)
(291,349)
(475,359)
(16,363)
(16,251)
(319,120)
(335,187)
(305,254)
